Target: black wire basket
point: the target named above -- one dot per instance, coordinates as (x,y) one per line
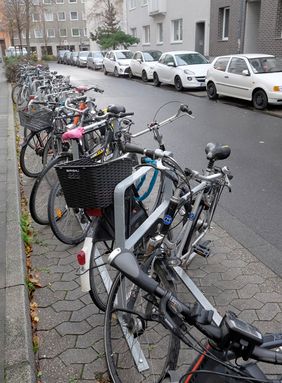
(88,184)
(36,120)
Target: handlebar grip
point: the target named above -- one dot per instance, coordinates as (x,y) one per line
(125,114)
(131,148)
(267,356)
(185,109)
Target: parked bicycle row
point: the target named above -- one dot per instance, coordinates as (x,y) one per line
(137,211)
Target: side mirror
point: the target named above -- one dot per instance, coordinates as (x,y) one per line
(171,64)
(139,60)
(245,72)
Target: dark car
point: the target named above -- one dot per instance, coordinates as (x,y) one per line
(82,58)
(66,58)
(73,58)
(95,60)
(60,56)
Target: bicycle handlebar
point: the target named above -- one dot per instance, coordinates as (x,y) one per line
(126,262)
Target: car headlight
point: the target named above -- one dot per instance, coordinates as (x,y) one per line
(186,71)
(121,63)
(277,88)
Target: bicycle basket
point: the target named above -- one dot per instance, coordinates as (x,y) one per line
(88,184)
(36,120)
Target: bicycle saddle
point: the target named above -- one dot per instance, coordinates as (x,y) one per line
(116,109)
(217,152)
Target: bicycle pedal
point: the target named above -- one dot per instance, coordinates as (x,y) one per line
(202,249)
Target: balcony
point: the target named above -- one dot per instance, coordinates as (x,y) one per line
(156,7)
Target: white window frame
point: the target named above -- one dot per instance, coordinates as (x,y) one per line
(60,1)
(144,3)
(177,26)
(46,13)
(146,35)
(47,2)
(85,32)
(71,15)
(65,29)
(133,31)
(160,27)
(52,36)
(38,36)
(224,37)
(39,18)
(132,4)
(64,19)
(73,34)
(35,2)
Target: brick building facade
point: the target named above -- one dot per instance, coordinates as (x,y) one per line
(245,26)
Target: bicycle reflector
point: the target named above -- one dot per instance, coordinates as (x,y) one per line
(81,259)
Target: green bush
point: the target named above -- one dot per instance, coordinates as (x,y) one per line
(49,58)
(11,64)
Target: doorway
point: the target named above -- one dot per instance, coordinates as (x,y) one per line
(252,22)
(200,37)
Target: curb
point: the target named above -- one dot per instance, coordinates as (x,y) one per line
(19,356)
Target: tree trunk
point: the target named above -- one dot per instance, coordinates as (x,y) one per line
(27,10)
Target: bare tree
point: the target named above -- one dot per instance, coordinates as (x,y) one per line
(15,13)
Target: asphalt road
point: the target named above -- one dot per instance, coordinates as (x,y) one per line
(252,212)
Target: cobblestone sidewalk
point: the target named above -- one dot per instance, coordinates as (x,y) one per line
(70,327)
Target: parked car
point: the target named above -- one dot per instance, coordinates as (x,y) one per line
(95,60)
(254,77)
(117,62)
(142,64)
(66,58)
(73,58)
(82,58)
(16,51)
(60,56)
(183,69)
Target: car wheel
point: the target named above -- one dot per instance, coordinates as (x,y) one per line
(211,91)
(156,79)
(260,100)
(116,74)
(178,83)
(144,76)
(105,71)
(130,74)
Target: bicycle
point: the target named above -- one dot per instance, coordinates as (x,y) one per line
(130,325)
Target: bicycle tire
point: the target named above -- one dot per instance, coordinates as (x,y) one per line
(38,200)
(159,346)
(31,155)
(69,225)
(15,92)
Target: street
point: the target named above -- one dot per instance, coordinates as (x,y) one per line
(251,213)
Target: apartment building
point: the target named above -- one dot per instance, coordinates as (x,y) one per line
(5,41)
(57,24)
(170,25)
(246,26)
(95,10)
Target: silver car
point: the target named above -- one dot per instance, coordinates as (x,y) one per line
(95,60)
(82,58)
(73,58)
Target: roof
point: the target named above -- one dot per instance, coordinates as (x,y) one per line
(248,55)
(179,52)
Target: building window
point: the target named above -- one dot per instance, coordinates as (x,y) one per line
(63,32)
(38,33)
(146,34)
(61,16)
(133,32)
(35,2)
(224,17)
(72,1)
(75,32)
(48,16)
(144,2)
(177,31)
(132,4)
(73,15)
(35,17)
(60,1)
(46,1)
(85,32)
(51,32)
(160,36)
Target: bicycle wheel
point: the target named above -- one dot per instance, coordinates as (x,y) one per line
(101,274)
(69,225)
(137,350)
(32,152)
(15,92)
(38,200)
(23,98)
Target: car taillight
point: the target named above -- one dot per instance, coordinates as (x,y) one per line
(81,258)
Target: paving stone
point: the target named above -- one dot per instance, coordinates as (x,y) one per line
(247,304)
(57,254)
(248,315)
(52,344)
(269,297)
(60,269)
(83,313)
(225,297)
(90,338)
(211,279)
(75,294)
(76,328)
(96,370)
(77,355)
(268,311)
(67,260)
(55,371)
(86,299)
(231,274)
(258,268)
(64,285)
(45,297)
(49,318)
(249,291)
(216,268)
(67,305)
(71,276)
(97,320)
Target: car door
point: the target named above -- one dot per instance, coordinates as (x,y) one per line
(139,60)
(238,78)
(133,64)
(169,69)
(217,73)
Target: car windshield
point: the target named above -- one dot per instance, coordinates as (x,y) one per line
(98,55)
(124,55)
(266,64)
(84,54)
(152,56)
(190,59)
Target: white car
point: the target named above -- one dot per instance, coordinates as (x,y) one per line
(117,62)
(254,77)
(183,69)
(142,64)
